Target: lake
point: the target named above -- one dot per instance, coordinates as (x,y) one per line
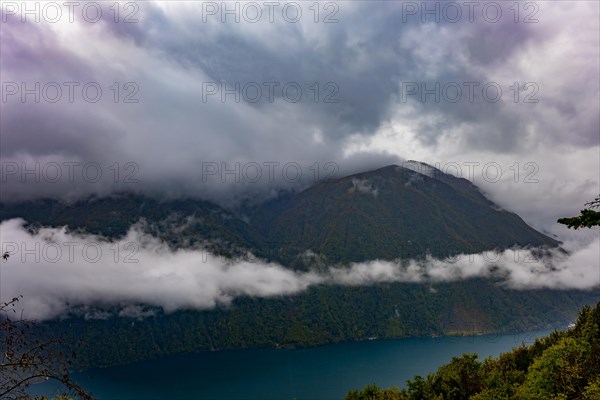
(326,372)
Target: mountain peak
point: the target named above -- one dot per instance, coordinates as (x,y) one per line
(396,211)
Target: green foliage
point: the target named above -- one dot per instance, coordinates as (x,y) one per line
(562,366)
(592,391)
(559,373)
(587,219)
(372,392)
(458,380)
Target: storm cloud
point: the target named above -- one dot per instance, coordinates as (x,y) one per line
(187,84)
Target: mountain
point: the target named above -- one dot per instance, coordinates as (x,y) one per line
(393,212)
(389,213)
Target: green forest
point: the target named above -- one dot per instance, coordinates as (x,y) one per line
(321,315)
(562,366)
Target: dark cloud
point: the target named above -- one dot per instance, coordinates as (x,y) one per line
(171,133)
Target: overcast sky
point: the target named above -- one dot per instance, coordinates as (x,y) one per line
(339,84)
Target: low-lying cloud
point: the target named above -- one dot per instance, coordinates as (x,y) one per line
(57,271)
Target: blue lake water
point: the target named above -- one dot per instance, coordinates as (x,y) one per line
(326,372)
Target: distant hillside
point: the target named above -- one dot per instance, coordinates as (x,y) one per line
(321,315)
(182,223)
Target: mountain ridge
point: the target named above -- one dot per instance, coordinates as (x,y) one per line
(392,212)
(389,213)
